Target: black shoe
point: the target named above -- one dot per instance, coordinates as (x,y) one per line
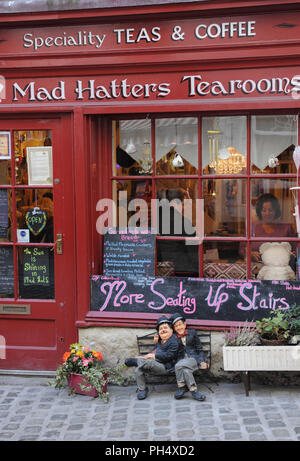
(131,362)
(197,396)
(180,393)
(141,395)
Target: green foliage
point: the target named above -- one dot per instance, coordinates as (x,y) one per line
(86,362)
(292,316)
(274,327)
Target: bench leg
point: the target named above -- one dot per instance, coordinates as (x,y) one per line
(246,379)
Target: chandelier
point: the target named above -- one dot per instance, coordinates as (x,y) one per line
(224,161)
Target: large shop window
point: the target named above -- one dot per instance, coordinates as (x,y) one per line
(26,215)
(234,171)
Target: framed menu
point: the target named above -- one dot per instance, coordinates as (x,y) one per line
(5,150)
(39,165)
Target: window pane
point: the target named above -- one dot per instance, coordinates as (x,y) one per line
(177,206)
(175,258)
(268,273)
(273,140)
(34,208)
(36,272)
(224,260)
(224,207)
(176,146)
(5,172)
(272,208)
(5,216)
(133,200)
(6,272)
(132,148)
(224,145)
(24,140)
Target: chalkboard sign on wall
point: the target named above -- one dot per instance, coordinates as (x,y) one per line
(127,254)
(198,299)
(6,272)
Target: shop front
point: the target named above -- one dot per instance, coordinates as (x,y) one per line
(146,154)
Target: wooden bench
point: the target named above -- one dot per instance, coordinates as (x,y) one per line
(146,343)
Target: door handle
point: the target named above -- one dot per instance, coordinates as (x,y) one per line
(59,244)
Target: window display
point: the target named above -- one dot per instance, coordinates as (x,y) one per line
(208,166)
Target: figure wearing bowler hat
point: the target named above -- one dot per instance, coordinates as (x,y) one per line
(160,361)
(191,359)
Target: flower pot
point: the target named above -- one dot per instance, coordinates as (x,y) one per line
(74,381)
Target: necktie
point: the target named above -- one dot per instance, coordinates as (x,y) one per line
(181,336)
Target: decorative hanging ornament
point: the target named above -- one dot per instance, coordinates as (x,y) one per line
(177,161)
(36,220)
(273,162)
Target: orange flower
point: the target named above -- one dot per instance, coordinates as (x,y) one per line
(66,356)
(98,355)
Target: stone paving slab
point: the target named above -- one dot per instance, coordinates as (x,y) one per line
(31,410)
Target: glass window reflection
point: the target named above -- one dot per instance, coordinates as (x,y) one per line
(176,146)
(224,207)
(273,140)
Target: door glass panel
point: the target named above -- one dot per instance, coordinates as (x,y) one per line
(26,202)
(176,146)
(5,216)
(34,210)
(5,157)
(29,161)
(36,272)
(6,272)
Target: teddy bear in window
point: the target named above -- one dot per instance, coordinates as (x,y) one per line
(276,257)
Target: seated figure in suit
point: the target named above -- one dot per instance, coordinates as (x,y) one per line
(190,360)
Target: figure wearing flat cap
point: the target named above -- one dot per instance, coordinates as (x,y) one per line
(160,361)
(191,360)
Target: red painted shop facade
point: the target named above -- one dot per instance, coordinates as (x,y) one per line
(194,101)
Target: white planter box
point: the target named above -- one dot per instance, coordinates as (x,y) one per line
(261,358)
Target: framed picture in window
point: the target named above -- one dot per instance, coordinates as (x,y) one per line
(39,163)
(5,150)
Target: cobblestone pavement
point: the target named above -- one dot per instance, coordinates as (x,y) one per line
(31,410)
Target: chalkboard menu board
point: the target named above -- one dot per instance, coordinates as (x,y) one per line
(199,299)
(36,273)
(6,272)
(128,254)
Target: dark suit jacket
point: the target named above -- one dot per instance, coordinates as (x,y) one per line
(167,353)
(193,347)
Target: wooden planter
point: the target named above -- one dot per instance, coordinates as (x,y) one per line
(260,358)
